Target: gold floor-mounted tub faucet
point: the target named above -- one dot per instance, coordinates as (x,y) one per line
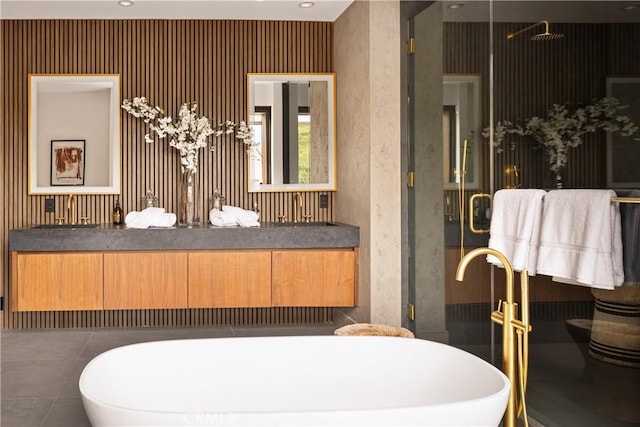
(515,353)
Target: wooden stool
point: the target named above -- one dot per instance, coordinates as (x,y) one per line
(371,329)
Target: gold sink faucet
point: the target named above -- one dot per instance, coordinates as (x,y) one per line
(71,209)
(297,206)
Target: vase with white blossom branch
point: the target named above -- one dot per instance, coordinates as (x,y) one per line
(187,133)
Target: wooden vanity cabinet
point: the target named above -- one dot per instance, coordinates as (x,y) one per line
(53,281)
(145,280)
(230,279)
(314,278)
(133,280)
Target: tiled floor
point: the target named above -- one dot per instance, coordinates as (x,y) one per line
(40,371)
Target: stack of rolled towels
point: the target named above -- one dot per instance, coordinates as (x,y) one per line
(231,216)
(150,217)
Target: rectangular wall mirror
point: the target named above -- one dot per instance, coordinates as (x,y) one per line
(293,117)
(74,134)
(461,120)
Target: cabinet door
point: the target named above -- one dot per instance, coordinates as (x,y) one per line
(229,279)
(145,280)
(314,278)
(57,281)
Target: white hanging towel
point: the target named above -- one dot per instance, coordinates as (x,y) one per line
(516,218)
(580,238)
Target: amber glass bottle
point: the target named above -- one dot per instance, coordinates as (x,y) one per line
(117,214)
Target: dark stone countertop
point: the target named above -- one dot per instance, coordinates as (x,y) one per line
(107,237)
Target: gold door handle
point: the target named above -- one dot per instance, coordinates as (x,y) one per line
(471,223)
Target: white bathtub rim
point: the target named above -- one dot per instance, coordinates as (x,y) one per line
(394,409)
(505,381)
(249,415)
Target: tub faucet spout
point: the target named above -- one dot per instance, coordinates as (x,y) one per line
(514,360)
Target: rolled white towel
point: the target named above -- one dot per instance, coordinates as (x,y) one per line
(165,220)
(150,217)
(244,218)
(133,220)
(222,219)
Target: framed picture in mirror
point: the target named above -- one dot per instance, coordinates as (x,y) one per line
(67,162)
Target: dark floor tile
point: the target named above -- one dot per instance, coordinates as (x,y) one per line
(70,388)
(556,405)
(42,344)
(68,413)
(103,340)
(23,412)
(34,378)
(555,361)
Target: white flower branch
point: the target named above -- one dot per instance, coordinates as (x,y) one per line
(188,132)
(560,130)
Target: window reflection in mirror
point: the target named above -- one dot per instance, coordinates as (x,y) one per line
(461,120)
(293,120)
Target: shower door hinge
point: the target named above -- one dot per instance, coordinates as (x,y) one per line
(410,179)
(411,46)
(411,311)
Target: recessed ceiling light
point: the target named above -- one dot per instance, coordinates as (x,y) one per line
(456,5)
(306,4)
(125,3)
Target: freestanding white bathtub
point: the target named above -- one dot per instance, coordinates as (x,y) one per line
(292,381)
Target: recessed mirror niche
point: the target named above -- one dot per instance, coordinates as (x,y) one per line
(74,134)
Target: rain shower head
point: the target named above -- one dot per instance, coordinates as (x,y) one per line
(547,36)
(542,36)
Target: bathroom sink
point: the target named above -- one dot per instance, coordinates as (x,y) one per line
(305,224)
(56,226)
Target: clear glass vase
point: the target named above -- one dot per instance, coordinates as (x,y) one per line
(189,198)
(559,184)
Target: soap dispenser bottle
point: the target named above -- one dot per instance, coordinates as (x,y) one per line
(117,213)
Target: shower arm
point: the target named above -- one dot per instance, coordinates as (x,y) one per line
(511,36)
(505,315)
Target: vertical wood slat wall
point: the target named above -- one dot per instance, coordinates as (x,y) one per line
(169,62)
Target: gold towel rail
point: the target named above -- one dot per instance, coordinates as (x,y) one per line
(626,199)
(488,196)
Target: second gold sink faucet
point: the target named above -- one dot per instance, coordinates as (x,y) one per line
(71,209)
(297,206)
